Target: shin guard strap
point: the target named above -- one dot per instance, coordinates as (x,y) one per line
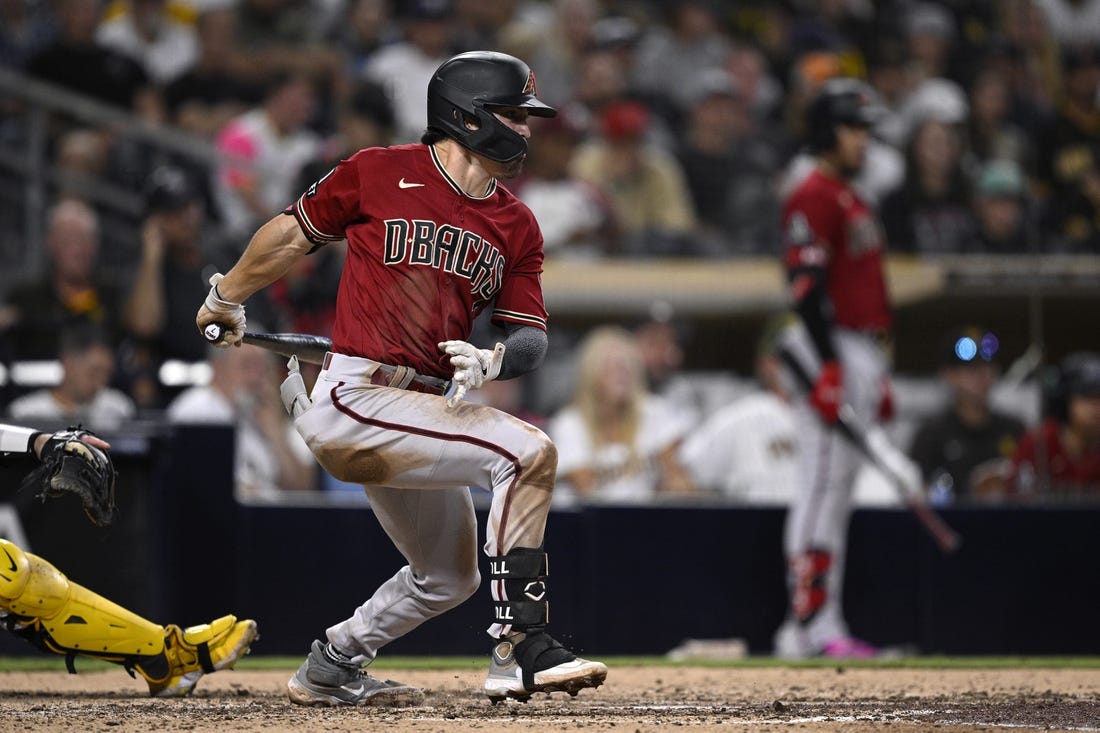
(538,652)
(207,663)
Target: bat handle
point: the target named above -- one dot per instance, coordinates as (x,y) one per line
(214,332)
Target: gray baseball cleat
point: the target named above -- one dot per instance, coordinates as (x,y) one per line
(321,680)
(523,665)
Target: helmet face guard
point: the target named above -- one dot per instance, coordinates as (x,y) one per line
(468,87)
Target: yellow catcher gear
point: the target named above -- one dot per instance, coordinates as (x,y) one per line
(65,618)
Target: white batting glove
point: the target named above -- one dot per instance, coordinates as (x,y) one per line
(224,312)
(473,367)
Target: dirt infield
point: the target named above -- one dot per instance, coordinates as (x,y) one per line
(634,700)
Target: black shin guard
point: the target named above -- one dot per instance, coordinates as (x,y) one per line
(518,587)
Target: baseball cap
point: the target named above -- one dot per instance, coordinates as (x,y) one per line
(1082,374)
(970,346)
(169,189)
(712,83)
(625,119)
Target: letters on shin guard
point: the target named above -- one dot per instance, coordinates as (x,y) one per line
(518,587)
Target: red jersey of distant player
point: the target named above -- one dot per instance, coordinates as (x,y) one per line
(1043,464)
(827,224)
(424,259)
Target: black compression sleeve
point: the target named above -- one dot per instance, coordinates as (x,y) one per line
(524,350)
(816,312)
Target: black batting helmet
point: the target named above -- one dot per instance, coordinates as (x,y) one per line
(1077,375)
(840,101)
(466,85)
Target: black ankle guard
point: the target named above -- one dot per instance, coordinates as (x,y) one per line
(538,652)
(519,588)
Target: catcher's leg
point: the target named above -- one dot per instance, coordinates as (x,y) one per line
(62,617)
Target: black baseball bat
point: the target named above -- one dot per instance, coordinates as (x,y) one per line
(306,347)
(945,538)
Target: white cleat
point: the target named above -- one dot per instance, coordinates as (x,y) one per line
(572,674)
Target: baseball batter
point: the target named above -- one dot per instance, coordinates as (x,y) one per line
(433,240)
(833,256)
(40,604)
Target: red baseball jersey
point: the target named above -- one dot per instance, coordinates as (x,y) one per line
(1043,463)
(827,224)
(424,259)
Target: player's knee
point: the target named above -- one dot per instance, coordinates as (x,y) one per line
(444,591)
(16,574)
(540,462)
(34,588)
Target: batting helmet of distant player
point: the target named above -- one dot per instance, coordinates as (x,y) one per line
(839,101)
(1078,375)
(467,87)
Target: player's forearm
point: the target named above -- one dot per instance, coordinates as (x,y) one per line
(524,350)
(812,306)
(276,246)
(144,309)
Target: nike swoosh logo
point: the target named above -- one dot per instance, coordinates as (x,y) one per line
(11,561)
(405,184)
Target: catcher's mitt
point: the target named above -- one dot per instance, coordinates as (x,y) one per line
(71,466)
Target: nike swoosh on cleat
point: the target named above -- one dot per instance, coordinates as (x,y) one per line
(405,184)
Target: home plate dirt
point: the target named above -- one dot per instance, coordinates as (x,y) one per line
(634,700)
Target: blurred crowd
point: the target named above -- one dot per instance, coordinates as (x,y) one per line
(679,133)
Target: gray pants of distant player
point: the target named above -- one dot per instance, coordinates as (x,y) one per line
(817,518)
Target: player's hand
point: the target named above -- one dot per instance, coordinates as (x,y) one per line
(473,367)
(224,312)
(828,392)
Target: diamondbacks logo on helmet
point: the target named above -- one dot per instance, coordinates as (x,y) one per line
(530,87)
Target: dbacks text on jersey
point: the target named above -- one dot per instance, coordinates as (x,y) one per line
(457,251)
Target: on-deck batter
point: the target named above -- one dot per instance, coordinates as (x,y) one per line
(433,240)
(834,261)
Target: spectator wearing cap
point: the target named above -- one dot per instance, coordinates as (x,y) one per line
(649,194)
(929,38)
(965,450)
(1061,457)
(1001,210)
(177,245)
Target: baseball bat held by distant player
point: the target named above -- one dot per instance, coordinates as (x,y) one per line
(945,537)
(308,348)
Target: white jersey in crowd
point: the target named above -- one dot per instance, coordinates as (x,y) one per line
(746,451)
(256,151)
(256,469)
(107,410)
(618,479)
